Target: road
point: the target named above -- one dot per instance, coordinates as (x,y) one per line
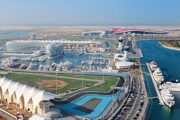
(134,107)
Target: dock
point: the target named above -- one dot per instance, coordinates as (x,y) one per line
(155,86)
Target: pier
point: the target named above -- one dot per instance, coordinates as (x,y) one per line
(151,98)
(155,86)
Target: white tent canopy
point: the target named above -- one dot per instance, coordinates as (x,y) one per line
(5,86)
(27,92)
(40,95)
(1,81)
(14,86)
(19,91)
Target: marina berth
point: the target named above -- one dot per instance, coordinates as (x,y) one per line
(161,102)
(171,86)
(163,90)
(167,98)
(158,76)
(153,65)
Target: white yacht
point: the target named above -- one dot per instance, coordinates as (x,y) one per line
(171,86)
(167,97)
(32,66)
(153,65)
(158,77)
(42,58)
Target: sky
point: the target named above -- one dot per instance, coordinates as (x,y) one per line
(89,12)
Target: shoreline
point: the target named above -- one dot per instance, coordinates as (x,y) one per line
(168,47)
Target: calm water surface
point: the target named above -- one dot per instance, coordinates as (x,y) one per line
(169,62)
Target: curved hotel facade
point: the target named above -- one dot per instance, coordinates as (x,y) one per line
(29,46)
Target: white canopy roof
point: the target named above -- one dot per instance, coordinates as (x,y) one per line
(12,88)
(1,81)
(19,91)
(40,95)
(27,92)
(5,86)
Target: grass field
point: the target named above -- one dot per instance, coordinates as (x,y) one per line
(72,84)
(110,81)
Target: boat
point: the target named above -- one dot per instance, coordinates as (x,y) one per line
(46,68)
(153,65)
(171,86)
(23,66)
(167,97)
(42,58)
(158,77)
(53,67)
(14,59)
(81,53)
(32,66)
(39,53)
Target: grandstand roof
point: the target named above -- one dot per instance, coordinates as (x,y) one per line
(27,92)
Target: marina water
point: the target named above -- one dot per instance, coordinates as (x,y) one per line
(169,62)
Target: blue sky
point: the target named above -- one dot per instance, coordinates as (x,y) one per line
(89,12)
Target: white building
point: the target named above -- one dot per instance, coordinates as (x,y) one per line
(54,50)
(120,46)
(30,46)
(123,65)
(121,61)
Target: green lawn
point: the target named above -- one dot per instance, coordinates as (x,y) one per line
(33,80)
(110,81)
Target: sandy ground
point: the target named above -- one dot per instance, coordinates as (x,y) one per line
(66,32)
(71,30)
(51,84)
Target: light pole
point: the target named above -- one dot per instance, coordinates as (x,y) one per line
(82,78)
(56,82)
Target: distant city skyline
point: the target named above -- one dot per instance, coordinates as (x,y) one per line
(89,12)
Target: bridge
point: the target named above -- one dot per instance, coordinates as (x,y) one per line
(146,73)
(151,98)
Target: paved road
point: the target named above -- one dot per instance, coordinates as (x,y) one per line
(135,107)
